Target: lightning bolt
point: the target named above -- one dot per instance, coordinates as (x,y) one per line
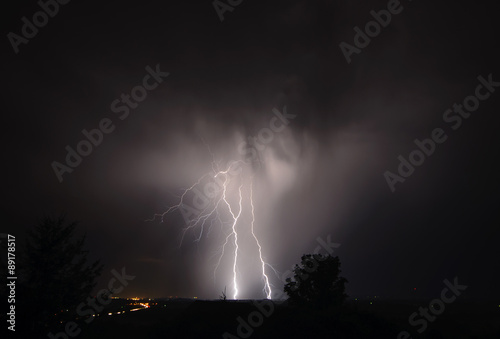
(212,213)
(179,205)
(267,287)
(235,243)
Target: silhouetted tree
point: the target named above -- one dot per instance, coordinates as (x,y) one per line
(316,282)
(223,296)
(56,275)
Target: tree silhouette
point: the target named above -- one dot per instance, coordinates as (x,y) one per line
(223,296)
(316,282)
(55,273)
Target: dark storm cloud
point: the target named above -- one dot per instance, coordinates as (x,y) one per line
(324,173)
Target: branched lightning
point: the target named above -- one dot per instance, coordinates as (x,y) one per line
(216,212)
(235,242)
(181,201)
(267,288)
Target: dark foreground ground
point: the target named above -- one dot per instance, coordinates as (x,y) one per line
(222,319)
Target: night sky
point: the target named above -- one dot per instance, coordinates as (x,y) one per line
(321,176)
